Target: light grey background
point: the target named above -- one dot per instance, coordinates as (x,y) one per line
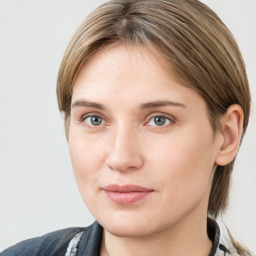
(38,193)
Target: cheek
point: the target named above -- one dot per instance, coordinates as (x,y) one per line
(87,159)
(185,165)
(86,163)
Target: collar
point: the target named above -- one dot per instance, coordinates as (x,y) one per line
(222,244)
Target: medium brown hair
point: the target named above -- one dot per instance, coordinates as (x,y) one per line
(193,41)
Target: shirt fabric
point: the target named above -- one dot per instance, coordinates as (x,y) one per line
(87,242)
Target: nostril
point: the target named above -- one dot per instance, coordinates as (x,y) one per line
(124,162)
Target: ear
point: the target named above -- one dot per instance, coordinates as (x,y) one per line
(232,128)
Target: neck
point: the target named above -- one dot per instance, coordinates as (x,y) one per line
(186,238)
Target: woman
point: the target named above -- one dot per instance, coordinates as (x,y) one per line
(156,102)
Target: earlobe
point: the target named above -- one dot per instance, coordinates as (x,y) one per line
(232,129)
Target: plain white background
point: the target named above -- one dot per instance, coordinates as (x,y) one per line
(38,193)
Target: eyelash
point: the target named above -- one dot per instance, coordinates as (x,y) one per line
(170,119)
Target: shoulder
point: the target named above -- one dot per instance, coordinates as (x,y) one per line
(54,243)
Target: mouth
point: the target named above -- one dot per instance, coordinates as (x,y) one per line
(126,194)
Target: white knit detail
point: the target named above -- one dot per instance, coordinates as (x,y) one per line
(225,239)
(72,246)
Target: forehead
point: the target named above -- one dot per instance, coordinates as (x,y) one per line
(122,59)
(129,73)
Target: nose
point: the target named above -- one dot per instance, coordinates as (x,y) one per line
(124,153)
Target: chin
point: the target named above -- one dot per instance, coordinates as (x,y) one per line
(127,230)
(132,225)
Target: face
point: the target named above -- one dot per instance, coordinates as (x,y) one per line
(141,144)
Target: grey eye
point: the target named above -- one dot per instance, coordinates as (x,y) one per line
(159,121)
(94,120)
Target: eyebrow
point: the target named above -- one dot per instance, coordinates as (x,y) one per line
(154,104)
(161,103)
(83,103)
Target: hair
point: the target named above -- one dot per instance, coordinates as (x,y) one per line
(194,42)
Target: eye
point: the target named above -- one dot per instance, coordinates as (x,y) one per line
(93,120)
(159,121)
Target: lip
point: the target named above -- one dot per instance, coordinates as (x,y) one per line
(126,194)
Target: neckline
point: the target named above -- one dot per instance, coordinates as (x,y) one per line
(92,237)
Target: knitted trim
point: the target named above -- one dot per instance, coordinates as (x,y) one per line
(73,245)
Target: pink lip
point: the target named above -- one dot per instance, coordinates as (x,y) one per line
(126,194)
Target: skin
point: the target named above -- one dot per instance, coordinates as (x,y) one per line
(176,159)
